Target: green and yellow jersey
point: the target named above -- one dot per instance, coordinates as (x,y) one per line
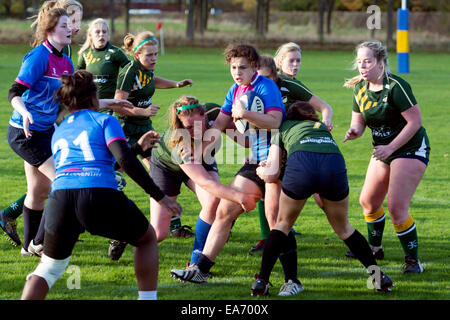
(104,64)
(292,90)
(67,50)
(212,111)
(166,155)
(140,85)
(311,136)
(381,111)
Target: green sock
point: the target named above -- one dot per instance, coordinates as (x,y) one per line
(263,224)
(175,223)
(375,232)
(375,227)
(15,209)
(407,234)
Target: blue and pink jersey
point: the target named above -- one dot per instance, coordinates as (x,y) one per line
(268,91)
(80,150)
(40,73)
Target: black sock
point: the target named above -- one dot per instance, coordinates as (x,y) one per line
(288,258)
(275,242)
(39,238)
(361,249)
(204,264)
(31,221)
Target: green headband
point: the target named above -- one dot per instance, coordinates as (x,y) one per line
(144,41)
(187,107)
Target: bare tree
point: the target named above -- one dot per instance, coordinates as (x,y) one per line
(330,8)
(390,23)
(190,21)
(322,5)
(111,13)
(127,16)
(260,30)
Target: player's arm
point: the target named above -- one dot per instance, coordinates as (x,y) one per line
(357,127)
(324,108)
(133,167)
(15,98)
(413,123)
(130,110)
(198,174)
(269,170)
(269,120)
(161,83)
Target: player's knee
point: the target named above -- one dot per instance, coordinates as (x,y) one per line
(50,269)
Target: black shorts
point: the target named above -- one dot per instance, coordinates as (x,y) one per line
(249,171)
(310,172)
(36,149)
(170,181)
(101,211)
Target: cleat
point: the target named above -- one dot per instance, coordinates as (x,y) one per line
(290,288)
(116,249)
(35,249)
(9,227)
(378,254)
(182,232)
(260,287)
(412,265)
(385,283)
(190,274)
(25,253)
(259,247)
(121,182)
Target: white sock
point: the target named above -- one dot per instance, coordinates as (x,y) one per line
(148,295)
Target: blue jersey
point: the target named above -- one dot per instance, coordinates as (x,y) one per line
(268,91)
(80,150)
(40,73)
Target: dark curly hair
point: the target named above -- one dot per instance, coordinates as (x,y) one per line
(78,91)
(301,110)
(244,51)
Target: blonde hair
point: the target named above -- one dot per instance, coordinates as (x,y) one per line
(47,24)
(53,4)
(283,50)
(175,122)
(380,54)
(89,43)
(130,42)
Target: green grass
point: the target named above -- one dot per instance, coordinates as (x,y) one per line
(323,269)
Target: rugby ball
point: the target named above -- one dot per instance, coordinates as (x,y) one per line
(252,102)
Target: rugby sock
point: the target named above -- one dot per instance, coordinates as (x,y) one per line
(263,224)
(39,238)
(175,223)
(148,295)
(204,264)
(272,249)
(15,209)
(31,221)
(360,248)
(201,233)
(375,227)
(407,234)
(288,258)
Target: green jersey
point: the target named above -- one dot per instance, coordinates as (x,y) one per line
(104,64)
(381,111)
(292,90)
(67,50)
(305,135)
(166,154)
(140,84)
(212,111)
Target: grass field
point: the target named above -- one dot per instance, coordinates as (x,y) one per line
(323,269)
